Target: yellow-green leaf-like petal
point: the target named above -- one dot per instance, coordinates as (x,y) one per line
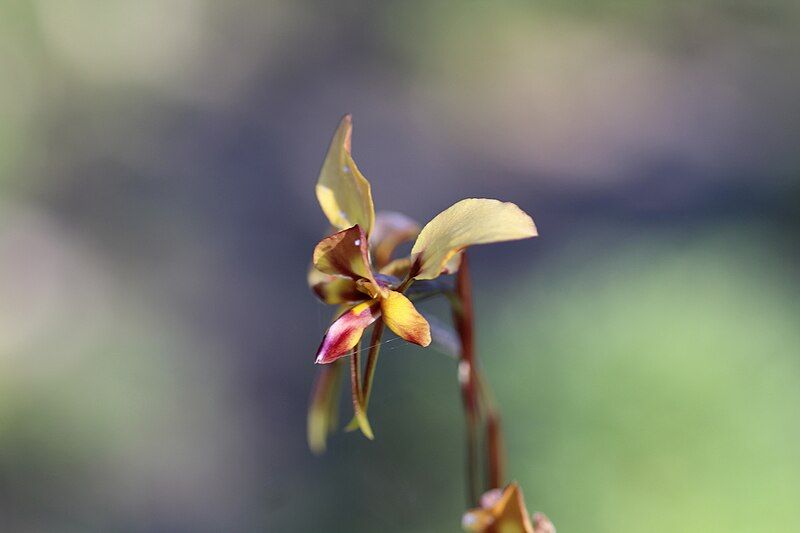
(343,192)
(468,222)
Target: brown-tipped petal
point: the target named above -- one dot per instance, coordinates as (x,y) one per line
(343,192)
(332,289)
(468,222)
(344,254)
(391,229)
(346,331)
(403,318)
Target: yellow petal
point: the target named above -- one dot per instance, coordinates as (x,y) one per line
(343,192)
(344,254)
(468,222)
(403,318)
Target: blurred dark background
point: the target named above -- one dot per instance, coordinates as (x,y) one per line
(157,216)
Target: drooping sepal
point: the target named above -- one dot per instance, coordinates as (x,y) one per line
(323,409)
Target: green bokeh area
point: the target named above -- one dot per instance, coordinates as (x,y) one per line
(655,388)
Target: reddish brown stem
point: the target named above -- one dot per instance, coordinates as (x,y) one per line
(494,450)
(372,360)
(463,319)
(471,385)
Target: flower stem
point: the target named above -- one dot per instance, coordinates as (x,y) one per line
(474,393)
(494,450)
(369,371)
(463,319)
(358,399)
(372,359)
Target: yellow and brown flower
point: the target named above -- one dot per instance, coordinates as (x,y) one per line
(355,268)
(342,263)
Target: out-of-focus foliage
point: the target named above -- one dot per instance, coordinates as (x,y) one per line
(661,379)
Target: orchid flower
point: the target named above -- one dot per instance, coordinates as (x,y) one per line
(342,267)
(355,268)
(503,511)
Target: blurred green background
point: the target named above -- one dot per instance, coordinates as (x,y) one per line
(157,216)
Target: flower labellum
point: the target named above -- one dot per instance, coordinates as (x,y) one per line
(346,331)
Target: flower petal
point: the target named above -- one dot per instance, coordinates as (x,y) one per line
(512,512)
(323,409)
(344,254)
(333,289)
(468,222)
(346,331)
(403,318)
(391,229)
(343,192)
